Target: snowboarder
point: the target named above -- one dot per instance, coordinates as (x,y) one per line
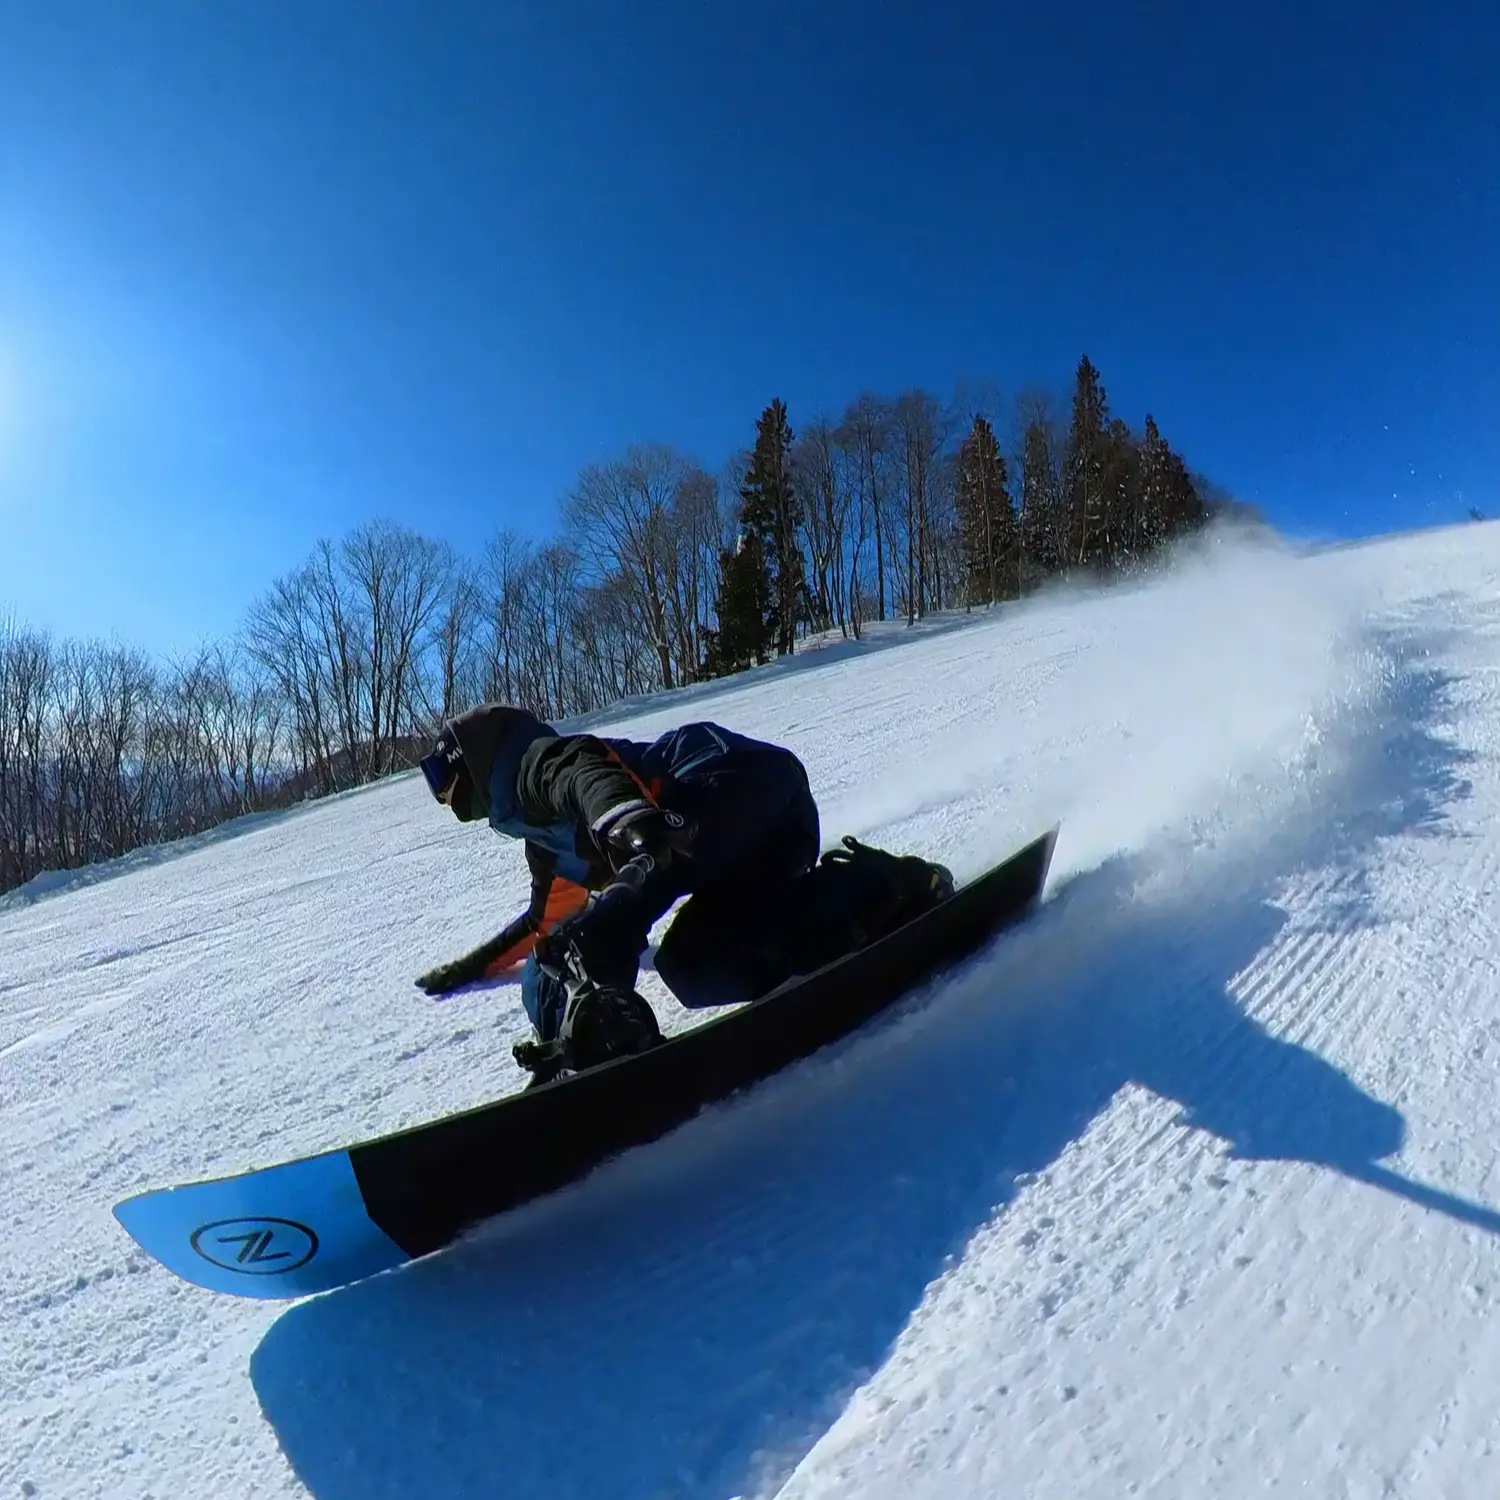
(616,831)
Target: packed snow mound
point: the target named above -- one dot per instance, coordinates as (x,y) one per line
(1185,1188)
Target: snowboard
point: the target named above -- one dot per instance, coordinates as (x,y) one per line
(321,1222)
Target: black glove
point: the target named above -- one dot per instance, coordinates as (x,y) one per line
(646,838)
(455,974)
(445,978)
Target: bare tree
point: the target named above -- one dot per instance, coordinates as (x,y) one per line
(280,636)
(27,666)
(691,566)
(821,463)
(213,741)
(505,581)
(102,751)
(395,580)
(625,517)
(919,435)
(865,433)
(337,630)
(618,513)
(613,662)
(457,631)
(558,569)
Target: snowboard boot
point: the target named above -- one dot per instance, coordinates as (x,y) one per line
(601,1023)
(892,889)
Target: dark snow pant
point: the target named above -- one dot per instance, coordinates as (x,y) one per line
(730,940)
(767,908)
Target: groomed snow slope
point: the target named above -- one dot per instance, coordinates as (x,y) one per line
(1187,1189)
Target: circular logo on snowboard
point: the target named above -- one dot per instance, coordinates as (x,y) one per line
(256,1247)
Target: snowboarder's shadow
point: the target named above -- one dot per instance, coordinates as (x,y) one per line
(692,1319)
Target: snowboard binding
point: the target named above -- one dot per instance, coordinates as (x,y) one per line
(886,890)
(600,1023)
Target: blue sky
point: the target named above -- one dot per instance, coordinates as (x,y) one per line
(269,270)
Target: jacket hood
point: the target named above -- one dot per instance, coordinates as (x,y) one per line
(492,738)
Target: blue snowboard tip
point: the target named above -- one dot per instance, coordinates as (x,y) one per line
(287,1232)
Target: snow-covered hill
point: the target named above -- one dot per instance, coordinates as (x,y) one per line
(1188,1188)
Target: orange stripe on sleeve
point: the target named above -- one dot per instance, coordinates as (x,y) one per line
(564,900)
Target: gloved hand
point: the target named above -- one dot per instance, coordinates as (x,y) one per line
(445,978)
(602,943)
(646,838)
(458,972)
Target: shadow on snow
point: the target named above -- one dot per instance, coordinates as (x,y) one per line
(693,1318)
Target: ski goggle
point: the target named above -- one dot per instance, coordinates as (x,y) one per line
(440,769)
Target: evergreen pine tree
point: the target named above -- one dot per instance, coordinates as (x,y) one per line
(1185,508)
(1177,503)
(1121,489)
(772,511)
(762,584)
(1042,513)
(986,518)
(1153,504)
(745,632)
(1084,469)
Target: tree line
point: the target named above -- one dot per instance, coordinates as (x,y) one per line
(883,513)
(660,574)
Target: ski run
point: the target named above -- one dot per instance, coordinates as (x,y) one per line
(1187,1187)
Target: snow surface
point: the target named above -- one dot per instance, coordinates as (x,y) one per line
(1187,1188)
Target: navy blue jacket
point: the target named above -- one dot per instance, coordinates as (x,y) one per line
(561,793)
